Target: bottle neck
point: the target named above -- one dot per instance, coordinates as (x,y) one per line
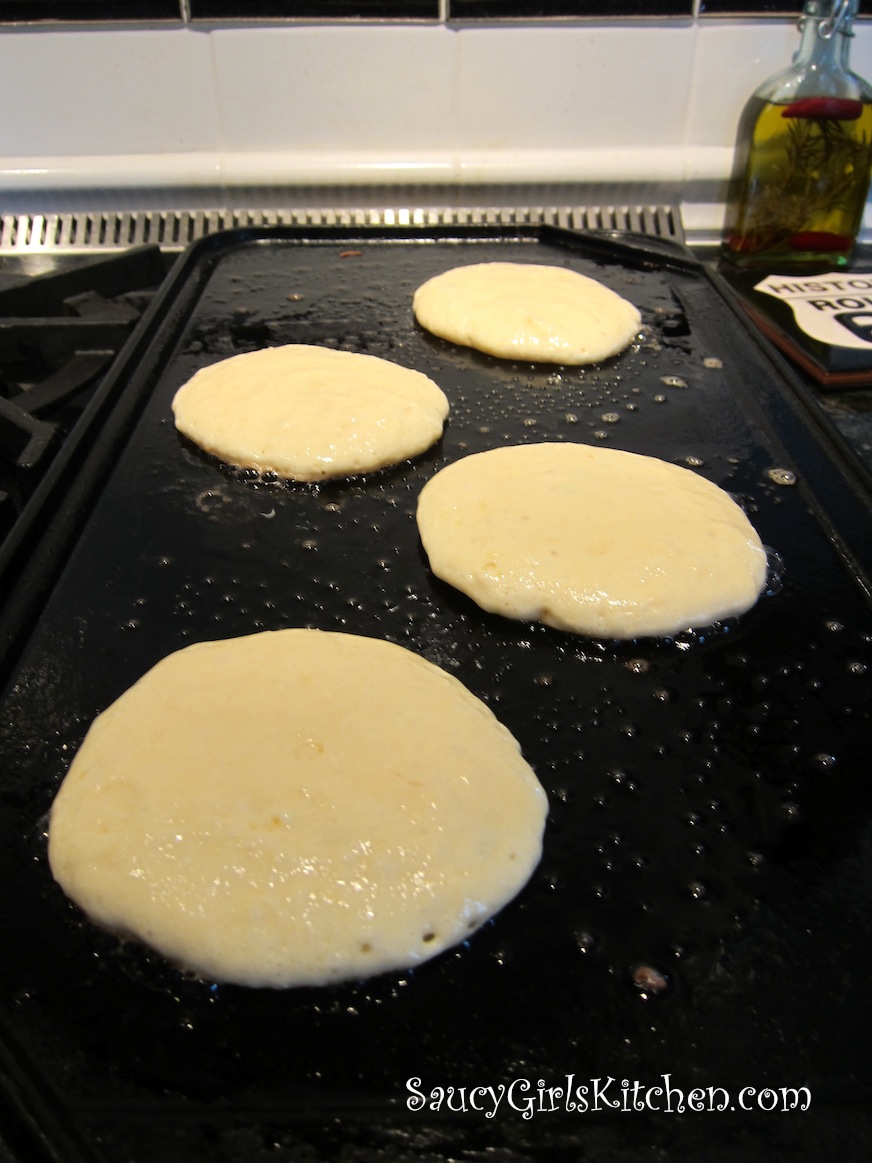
(827,30)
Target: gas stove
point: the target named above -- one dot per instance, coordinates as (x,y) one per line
(701,872)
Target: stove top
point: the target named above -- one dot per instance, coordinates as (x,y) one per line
(734,763)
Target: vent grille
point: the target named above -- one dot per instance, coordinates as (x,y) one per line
(175,229)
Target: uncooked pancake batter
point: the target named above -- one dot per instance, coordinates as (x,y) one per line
(527,311)
(590,540)
(308,413)
(296,807)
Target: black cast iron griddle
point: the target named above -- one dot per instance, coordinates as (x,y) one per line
(701,903)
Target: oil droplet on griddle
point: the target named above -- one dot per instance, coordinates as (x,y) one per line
(824,761)
(781,476)
(649,981)
(586,941)
(638,665)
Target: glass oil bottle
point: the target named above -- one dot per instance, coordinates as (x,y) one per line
(803,154)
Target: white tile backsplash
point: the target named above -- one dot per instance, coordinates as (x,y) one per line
(582,88)
(104,92)
(645,105)
(320,90)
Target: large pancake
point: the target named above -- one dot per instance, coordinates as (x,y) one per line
(308,413)
(590,540)
(527,311)
(296,807)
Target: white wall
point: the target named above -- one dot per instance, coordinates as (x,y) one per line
(650,103)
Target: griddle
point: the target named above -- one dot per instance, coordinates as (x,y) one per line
(698,919)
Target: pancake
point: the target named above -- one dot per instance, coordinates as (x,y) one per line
(296,807)
(590,540)
(527,311)
(308,413)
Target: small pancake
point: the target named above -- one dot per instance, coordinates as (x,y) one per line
(527,311)
(296,807)
(590,540)
(308,413)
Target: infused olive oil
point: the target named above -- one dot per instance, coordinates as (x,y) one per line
(803,154)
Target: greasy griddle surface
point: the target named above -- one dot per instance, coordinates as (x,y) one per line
(708,793)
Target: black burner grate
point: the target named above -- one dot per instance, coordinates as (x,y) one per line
(58,334)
